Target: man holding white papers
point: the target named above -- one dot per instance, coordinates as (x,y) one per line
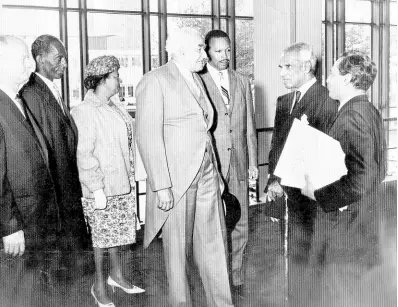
(308,100)
(346,242)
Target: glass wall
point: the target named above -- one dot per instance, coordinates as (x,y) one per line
(134,31)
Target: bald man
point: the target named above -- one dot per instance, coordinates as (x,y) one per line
(28,204)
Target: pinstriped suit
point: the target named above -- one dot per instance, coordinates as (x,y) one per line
(173,138)
(236,148)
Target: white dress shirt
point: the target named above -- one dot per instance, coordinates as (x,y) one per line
(188,76)
(220,81)
(303,89)
(54,90)
(10,93)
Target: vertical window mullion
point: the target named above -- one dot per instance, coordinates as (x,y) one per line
(384,70)
(162,4)
(231,29)
(83,42)
(146,36)
(329,36)
(340,27)
(215,12)
(63,32)
(376,55)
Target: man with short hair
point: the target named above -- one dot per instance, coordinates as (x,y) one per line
(346,245)
(43,98)
(28,203)
(309,101)
(235,139)
(173,122)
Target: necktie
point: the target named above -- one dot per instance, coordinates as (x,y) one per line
(58,97)
(20,105)
(296,101)
(224,91)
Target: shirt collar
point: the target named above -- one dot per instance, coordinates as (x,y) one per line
(9,91)
(187,74)
(215,73)
(305,87)
(47,81)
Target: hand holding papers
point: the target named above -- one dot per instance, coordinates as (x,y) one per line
(310,152)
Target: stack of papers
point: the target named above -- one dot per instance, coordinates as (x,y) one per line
(308,151)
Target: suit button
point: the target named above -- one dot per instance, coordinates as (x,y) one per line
(230,131)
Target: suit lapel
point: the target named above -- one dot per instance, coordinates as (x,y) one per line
(186,87)
(50,100)
(13,109)
(36,134)
(213,91)
(233,84)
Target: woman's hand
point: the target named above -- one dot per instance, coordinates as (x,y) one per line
(99,199)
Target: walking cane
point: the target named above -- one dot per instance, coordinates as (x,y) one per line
(285,249)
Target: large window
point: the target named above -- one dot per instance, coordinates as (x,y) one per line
(369,26)
(134,31)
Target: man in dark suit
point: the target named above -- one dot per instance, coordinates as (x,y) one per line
(235,139)
(51,112)
(309,101)
(29,216)
(346,245)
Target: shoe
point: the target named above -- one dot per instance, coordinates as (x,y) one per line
(133,290)
(97,301)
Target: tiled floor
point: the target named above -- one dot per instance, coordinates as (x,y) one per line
(265,279)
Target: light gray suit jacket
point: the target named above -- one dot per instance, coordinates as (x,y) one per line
(172,131)
(234,130)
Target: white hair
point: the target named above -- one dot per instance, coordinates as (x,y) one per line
(305,53)
(178,38)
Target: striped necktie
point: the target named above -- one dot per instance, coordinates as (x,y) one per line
(58,97)
(224,91)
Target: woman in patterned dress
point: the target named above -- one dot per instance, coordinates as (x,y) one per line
(105,158)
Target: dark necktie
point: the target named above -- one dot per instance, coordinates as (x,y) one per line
(296,101)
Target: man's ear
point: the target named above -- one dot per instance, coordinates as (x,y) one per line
(39,60)
(347,79)
(307,66)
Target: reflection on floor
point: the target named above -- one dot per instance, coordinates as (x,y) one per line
(265,279)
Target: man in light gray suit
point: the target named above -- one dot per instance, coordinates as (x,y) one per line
(173,120)
(235,139)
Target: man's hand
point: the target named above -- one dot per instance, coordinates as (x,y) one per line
(166,201)
(253,172)
(274,190)
(14,244)
(308,189)
(99,199)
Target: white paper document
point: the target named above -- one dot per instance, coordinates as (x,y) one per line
(310,151)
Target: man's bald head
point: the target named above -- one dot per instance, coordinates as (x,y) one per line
(15,62)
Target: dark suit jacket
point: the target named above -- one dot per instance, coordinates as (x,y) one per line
(27,193)
(61,133)
(233,128)
(320,110)
(359,129)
